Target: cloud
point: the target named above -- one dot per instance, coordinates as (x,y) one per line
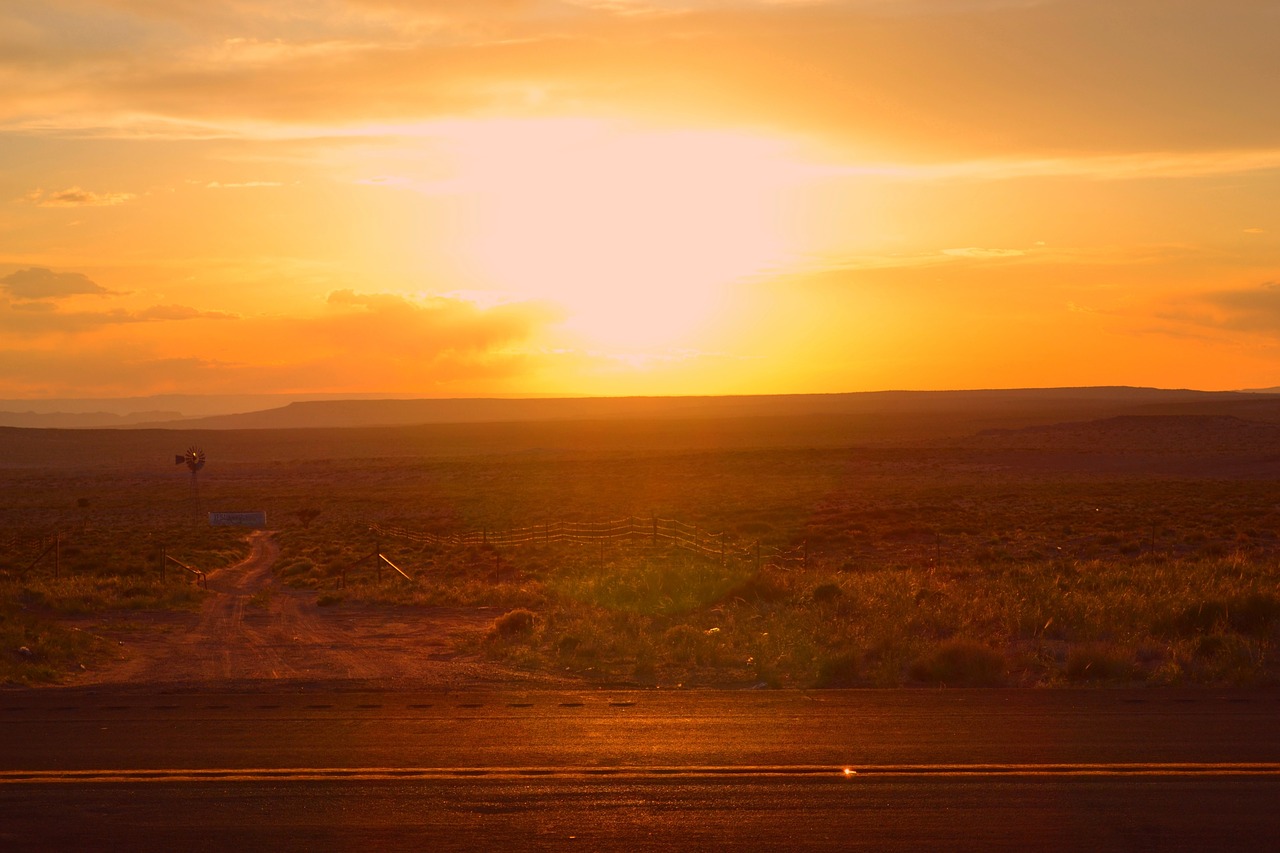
(1010,76)
(107,371)
(983,254)
(1144,165)
(218,185)
(360,341)
(1254,309)
(33,320)
(77,197)
(395,324)
(40,283)
(820,264)
(176,312)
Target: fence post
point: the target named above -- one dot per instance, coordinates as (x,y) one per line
(377,559)
(164,564)
(757,556)
(805,555)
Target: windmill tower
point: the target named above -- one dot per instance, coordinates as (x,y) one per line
(194,459)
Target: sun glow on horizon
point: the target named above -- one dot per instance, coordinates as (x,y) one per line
(635,197)
(635,234)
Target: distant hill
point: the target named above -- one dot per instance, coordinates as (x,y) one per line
(992,428)
(1186,434)
(81,413)
(951,409)
(83,420)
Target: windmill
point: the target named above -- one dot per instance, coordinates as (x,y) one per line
(194,459)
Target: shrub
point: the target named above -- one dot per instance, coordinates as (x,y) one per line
(840,671)
(683,643)
(1203,617)
(827,592)
(960,664)
(1251,615)
(515,623)
(1097,663)
(1254,614)
(761,587)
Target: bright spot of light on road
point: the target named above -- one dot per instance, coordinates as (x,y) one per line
(849,771)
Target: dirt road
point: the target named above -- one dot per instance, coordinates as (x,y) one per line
(253,630)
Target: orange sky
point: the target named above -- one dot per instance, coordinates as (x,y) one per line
(510,197)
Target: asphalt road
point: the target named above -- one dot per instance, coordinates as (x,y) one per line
(886,770)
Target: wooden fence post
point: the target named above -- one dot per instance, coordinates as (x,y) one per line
(164,564)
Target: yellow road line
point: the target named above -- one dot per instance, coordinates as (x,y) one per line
(1176,769)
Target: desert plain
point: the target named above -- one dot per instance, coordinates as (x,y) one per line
(1114,537)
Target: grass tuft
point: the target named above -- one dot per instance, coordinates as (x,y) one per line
(960,663)
(514,623)
(840,671)
(1098,663)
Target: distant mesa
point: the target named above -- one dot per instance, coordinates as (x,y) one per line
(954,412)
(1035,404)
(84,420)
(1191,433)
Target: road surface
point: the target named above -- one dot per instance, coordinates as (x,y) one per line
(314,768)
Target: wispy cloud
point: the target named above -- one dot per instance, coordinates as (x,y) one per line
(218,185)
(40,283)
(396,342)
(977,253)
(1135,166)
(76,197)
(1255,309)
(187,69)
(33,320)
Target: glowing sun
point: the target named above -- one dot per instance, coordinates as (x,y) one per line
(635,234)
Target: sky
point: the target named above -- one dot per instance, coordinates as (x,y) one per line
(621,197)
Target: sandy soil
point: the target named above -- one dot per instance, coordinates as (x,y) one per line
(283,638)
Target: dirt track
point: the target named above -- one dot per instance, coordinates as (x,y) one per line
(252,630)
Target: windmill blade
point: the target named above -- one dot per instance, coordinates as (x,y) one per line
(194,458)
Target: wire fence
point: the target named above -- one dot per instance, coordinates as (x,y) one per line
(655,531)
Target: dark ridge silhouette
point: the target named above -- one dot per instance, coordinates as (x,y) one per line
(995,406)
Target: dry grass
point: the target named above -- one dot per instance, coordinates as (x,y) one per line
(954,564)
